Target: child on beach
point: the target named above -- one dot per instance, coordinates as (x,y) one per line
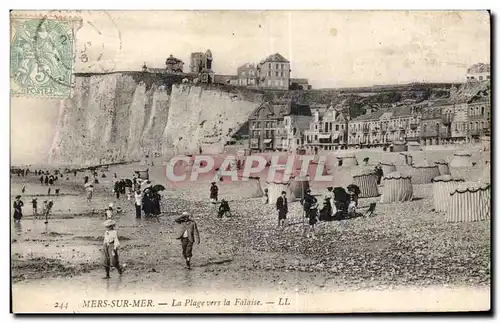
(110,248)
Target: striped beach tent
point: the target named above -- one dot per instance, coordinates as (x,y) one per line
(397,188)
(298,185)
(461,159)
(443,167)
(470,202)
(280,182)
(441,188)
(423,174)
(366,180)
(408,159)
(388,168)
(486,173)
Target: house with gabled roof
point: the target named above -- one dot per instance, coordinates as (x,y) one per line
(274,72)
(278,125)
(327,130)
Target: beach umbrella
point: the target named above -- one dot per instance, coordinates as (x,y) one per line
(158,188)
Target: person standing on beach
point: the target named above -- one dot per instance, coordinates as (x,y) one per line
(138,203)
(34,203)
(214,193)
(47,207)
(282,207)
(109,212)
(18,209)
(110,248)
(90,190)
(188,234)
(265,197)
(41,180)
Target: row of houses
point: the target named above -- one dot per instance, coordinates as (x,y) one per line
(288,126)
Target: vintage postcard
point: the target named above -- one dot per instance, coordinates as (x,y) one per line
(250,161)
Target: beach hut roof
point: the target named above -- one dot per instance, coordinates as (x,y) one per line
(440,162)
(396,175)
(447,178)
(471,187)
(363,171)
(346,156)
(423,165)
(462,153)
(279,177)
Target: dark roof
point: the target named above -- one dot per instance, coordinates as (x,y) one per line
(440,102)
(402,111)
(275,58)
(369,116)
(300,81)
(280,109)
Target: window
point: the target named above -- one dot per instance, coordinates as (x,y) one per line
(315,137)
(480,77)
(257,124)
(281,66)
(268,73)
(281,74)
(482,111)
(298,142)
(277,73)
(315,127)
(487,77)
(482,124)
(269,65)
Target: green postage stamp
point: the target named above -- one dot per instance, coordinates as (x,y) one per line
(41,61)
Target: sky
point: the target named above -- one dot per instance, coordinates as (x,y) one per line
(330,48)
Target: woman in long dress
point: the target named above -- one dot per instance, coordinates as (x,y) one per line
(18,211)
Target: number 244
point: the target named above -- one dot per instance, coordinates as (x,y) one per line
(62,305)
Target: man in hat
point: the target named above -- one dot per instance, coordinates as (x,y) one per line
(110,248)
(188,234)
(214,193)
(282,207)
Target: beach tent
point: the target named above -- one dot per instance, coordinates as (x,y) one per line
(423,174)
(397,188)
(398,146)
(441,188)
(387,168)
(408,159)
(461,159)
(278,184)
(366,180)
(414,146)
(470,202)
(443,167)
